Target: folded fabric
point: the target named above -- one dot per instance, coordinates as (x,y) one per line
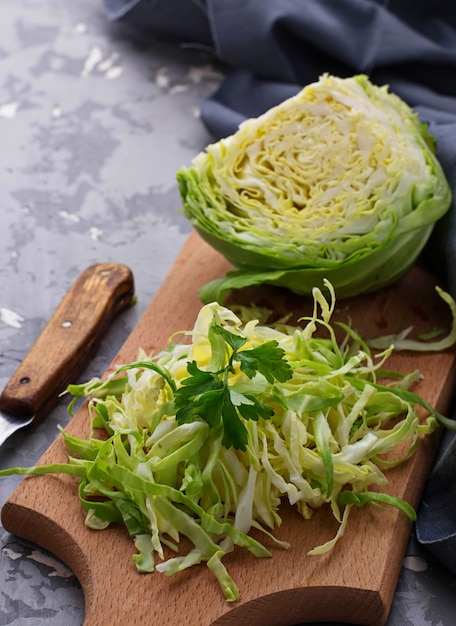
(272,48)
(436,525)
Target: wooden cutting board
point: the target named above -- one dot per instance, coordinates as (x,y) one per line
(354,583)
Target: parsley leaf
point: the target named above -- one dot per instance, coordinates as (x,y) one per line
(197,397)
(268,359)
(234,341)
(208,396)
(253,410)
(234,431)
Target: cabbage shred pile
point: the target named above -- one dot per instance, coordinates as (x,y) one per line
(208,437)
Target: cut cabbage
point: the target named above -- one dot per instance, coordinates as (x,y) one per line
(322,444)
(340,181)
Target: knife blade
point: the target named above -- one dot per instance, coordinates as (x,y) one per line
(65,345)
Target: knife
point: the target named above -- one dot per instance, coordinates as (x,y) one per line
(65,345)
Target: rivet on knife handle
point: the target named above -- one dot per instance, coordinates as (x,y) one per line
(69,339)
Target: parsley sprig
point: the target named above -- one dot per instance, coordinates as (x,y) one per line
(208,396)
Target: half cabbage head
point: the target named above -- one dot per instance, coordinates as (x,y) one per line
(339,182)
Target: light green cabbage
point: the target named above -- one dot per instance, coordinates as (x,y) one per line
(323,444)
(340,182)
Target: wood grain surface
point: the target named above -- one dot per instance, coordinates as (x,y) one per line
(354,583)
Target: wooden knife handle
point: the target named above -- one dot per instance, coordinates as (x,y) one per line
(69,339)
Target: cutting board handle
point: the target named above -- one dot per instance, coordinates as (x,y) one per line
(114,593)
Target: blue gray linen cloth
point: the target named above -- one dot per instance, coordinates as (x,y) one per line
(272,48)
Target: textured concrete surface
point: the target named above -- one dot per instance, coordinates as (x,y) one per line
(94,122)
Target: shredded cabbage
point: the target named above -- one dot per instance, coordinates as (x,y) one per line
(323,442)
(340,181)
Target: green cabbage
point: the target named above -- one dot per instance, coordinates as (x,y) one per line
(340,182)
(318,424)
